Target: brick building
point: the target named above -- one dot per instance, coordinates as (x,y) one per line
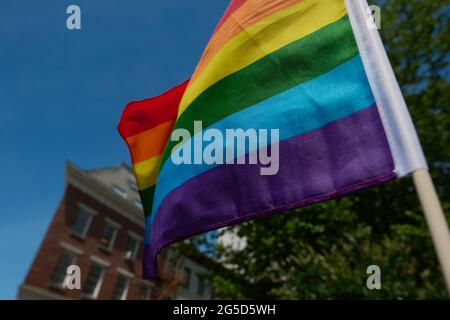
(98,226)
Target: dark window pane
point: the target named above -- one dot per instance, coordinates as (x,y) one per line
(201,286)
(119,289)
(81,223)
(93,279)
(187,277)
(108,235)
(132,246)
(60,272)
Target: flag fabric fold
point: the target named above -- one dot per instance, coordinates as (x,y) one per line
(290,65)
(145,126)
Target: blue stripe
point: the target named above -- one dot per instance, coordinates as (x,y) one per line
(311,105)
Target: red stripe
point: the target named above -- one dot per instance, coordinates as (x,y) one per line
(232,7)
(140,116)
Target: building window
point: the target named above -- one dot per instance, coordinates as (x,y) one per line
(201,286)
(138,204)
(132,248)
(92,286)
(108,236)
(120,192)
(120,290)
(59,275)
(187,277)
(133,186)
(145,292)
(82,223)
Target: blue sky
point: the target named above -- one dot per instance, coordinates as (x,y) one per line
(62,93)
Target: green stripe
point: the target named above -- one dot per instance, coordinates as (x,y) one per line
(147,196)
(296,63)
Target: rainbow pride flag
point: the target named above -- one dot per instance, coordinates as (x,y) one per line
(310,69)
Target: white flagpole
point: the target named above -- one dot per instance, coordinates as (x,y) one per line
(435,219)
(403,141)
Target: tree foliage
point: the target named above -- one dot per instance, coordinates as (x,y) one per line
(322,251)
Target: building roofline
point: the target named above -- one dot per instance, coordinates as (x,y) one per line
(122,164)
(81,179)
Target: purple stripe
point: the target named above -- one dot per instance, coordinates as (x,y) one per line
(341,157)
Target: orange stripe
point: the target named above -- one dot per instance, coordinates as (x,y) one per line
(150,143)
(248,14)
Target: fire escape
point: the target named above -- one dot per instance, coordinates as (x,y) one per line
(172,275)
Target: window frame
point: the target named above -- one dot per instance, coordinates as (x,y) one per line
(83,209)
(120,192)
(138,204)
(138,239)
(188,277)
(133,186)
(125,289)
(63,284)
(114,225)
(99,283)
(201,286)
(127,275)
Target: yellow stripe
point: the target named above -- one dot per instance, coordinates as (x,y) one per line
(263,38)
(146,172)
(251,12)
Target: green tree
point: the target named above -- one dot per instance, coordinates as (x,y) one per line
(322,251)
